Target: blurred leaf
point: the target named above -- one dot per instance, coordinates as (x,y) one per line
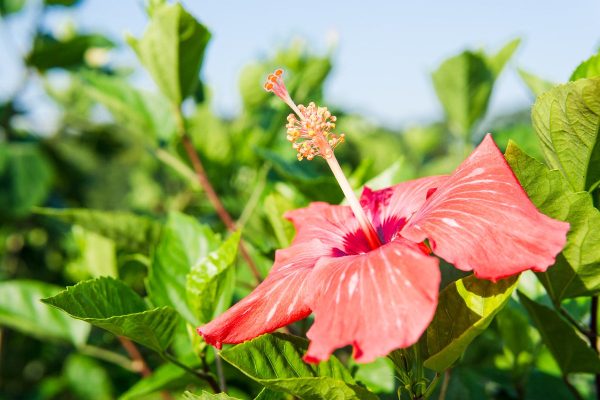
(567,120)
(267,394)
(588,69)
(207,396)
(49,52)
(143,114)
(165,377)
(575,274)
(21,309)
(110,304)
(25,178)
(536,84)
(275,361)
(465,309)
(570,350)
(211,281)
(129,231)
(464,85)
(96,254)
(274,206)
(172,50)
(497,61)
(377,376)
(183,244)
(87,378)
(523,134)
(8,7)
(66,3)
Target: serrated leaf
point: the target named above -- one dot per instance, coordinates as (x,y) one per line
(567,120)
(129,231)
(25,178)
(112,305)
(172,50)
(211,281)
(21,309)
(145,115)
(207,396)
(183,244)
(536,84)
(165,377)
(576,270)
(587,69)
(275,361)
(570,350)
(465,309)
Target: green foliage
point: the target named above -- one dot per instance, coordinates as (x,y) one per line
(464,85)
(166,377)
(567,120)
(25,178)
(21,309)
(183,244)
(587,69)
(110,304)
(536,84)
(207,396)
(87,378)
(275,361)
(172,50)
(569,349)
(466,307)
(8,7)
(211,281)
(575,273)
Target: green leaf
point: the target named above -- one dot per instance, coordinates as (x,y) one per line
(267,394)
(275,361)
(536,84)
(97,255)
(576,270)
(8,7)
(21,309)
(567,120)
(184,243)
(465,309)
(207,396)
(165,377)
(588,69)
(497,61)
(378,376)
(142,114)
(211,282)
(25,178)
(65,3)
(172,50)
(49,52)
(110,304)
(571,351)
(87,378)
(129,231)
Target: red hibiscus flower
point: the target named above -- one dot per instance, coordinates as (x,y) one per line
(364,270)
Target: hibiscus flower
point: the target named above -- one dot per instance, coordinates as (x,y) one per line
(366,271)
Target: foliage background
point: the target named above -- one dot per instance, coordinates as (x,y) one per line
(87,128)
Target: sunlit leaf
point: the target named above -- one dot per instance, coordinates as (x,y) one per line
(97,256)
(21,309)
(587,69)
(172,50)
(567,120)
(465,309)
(275,361)
(576,270)
(570,350)
(110,304)
(183,244)
(536,84)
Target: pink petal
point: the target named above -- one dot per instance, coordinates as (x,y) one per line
(377,302)
(389,208)
(279,300)
(481,219)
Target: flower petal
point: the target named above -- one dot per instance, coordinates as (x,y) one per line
(389,208)
(279,300)
(481,219)
(377,302)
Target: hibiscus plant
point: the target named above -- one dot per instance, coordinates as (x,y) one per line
(169,252)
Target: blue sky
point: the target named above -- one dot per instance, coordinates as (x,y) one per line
(386,49)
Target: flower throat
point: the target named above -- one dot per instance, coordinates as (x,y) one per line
(309,131)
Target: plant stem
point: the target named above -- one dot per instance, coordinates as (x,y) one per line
(109,356)
(594,336)
(206,376)
(211,194)
(445,384)
(139,363)
(220,375)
